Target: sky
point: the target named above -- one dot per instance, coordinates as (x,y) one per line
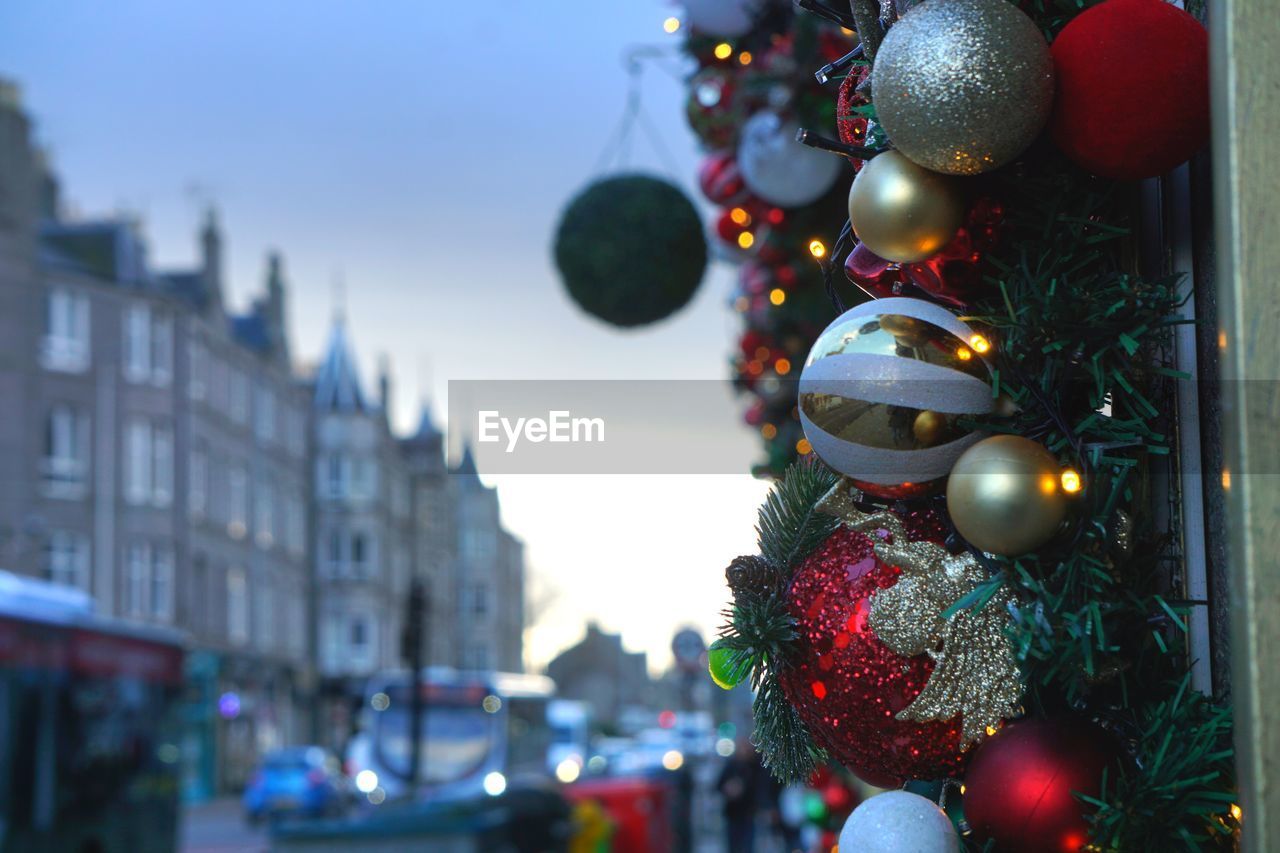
(419,153)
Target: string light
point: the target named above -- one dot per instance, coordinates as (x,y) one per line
(1236,811)
(803,447)
(746,239)
(740,216)
(769,432)
(671,24)
(1226,479)
(818,249)
(979,344)
(964,354)
(777,296)
(782,366)
(1071,482)
(745,57)
(723,50)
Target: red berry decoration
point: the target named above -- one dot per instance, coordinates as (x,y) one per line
(1132,88)
(845,683)
(851,126)
(1020,784)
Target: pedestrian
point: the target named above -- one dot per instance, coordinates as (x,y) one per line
(739,788)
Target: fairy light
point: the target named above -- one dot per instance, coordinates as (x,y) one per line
(818,249)
(1226,479)
(745,57)
(670,25)
(964,354)
(1236,811)
(777,296)
(979,344)
(746,239)
(803,447)
(723,50)
(782,366)
(769,432)
(740,216)
(1071,482)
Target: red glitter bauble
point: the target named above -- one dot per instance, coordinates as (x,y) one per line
(1132,95)
(1020,784)
(847,685)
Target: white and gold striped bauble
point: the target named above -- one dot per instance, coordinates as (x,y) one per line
(883,390)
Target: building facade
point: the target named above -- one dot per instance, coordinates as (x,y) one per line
(163,452)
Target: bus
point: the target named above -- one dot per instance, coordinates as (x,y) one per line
(479,731)
(89,726)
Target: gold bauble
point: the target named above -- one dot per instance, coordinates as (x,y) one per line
(904,212)
(1005,496)
(929,427)
(963,86)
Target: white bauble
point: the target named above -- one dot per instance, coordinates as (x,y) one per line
(727,18)
(780,170)
(898,822)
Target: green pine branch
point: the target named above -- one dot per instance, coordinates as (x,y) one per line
(790,526)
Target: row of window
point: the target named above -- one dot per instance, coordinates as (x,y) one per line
(148,591)
(147,358)
(348,640)
(219,491)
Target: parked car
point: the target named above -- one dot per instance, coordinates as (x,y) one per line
(304,780)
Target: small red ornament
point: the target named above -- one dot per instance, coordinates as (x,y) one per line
(1132,96)
(1020,784)
(851,126)
(720,179)
(845,683)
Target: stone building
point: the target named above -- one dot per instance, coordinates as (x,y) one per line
(600,671)
(156,453)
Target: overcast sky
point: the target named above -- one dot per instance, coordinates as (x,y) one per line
(422,152)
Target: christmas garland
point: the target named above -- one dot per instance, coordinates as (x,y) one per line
(967,585)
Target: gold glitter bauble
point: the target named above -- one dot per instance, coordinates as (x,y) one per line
(904,212)
(1005,496)
(963,86)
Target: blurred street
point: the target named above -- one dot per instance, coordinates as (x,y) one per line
(219,826)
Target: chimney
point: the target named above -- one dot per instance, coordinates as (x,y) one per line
(384,386)
(275,306)
(19,169)
(211,256)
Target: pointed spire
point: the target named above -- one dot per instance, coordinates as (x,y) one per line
(338,380)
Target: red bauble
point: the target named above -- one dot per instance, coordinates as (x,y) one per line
(1018,791)
(1132,88)
(720,179)
(848,686)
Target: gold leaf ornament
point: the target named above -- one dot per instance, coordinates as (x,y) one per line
(974,672)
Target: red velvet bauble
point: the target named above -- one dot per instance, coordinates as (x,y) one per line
(1132,88)
(848,686)
(1018,791)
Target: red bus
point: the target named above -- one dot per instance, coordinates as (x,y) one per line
(89,726)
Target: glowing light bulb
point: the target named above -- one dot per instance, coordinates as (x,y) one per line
(818,249)
(769,432)
(777,296)
(746,240)
(723,50)
(740,216)
(782,366)
(671,24)
(979,344)
(803,447)
(1236,811)
(964,354)
(745,57)
(1071,482)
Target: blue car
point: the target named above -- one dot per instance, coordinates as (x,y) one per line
(304,780)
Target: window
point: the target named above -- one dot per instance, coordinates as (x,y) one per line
(65,467)
(265,514)
(137,579)
(331,646)
(363,558)
(334,476)
(237,607)
(295,524)
(480,599)
(361,643)
(364,479)
(197,369)
(148,345)
(66,340)
(198,483)
(265,608)
(162,584)
(238,387)
(237,502)
(264,422)
(148,474)
(334,553)
(161,350)
(67,559)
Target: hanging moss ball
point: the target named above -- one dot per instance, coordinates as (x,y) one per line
(631,250)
